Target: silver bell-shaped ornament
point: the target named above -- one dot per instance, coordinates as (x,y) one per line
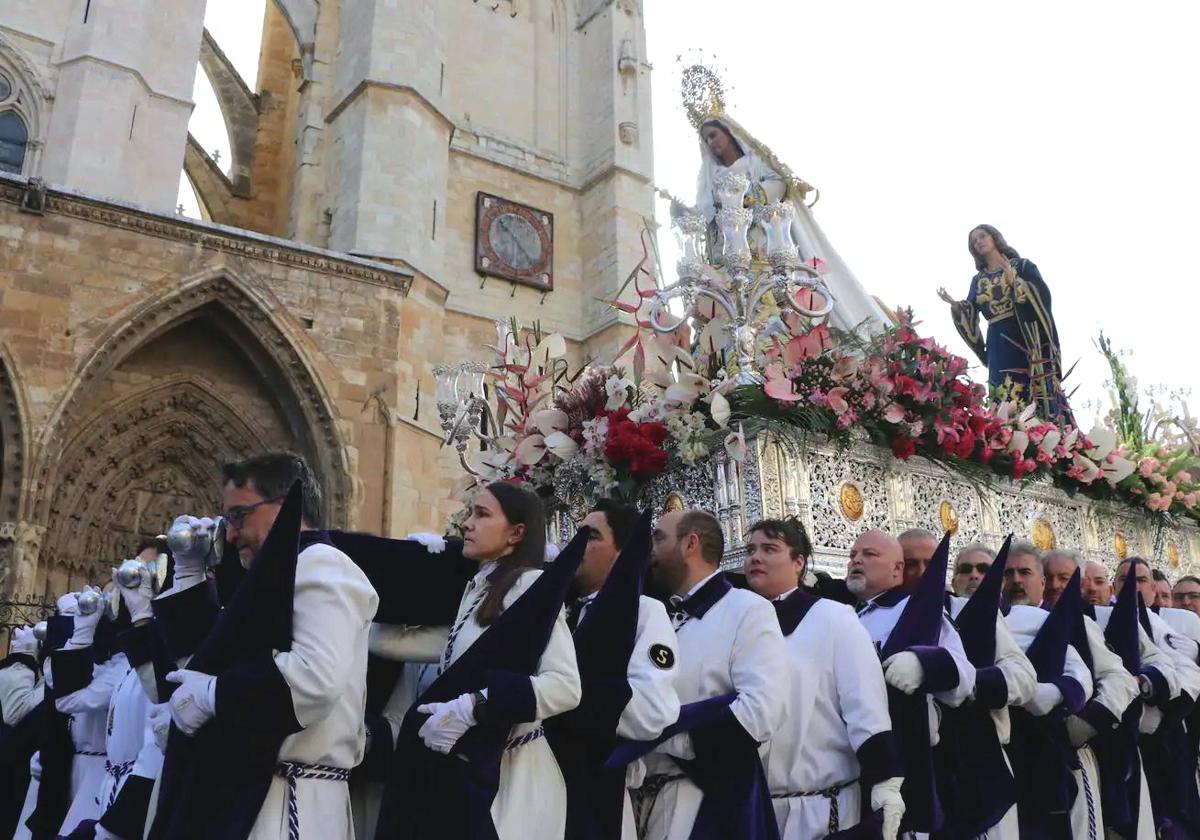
(39,631)
(129,573)
(89,602)
(182,538)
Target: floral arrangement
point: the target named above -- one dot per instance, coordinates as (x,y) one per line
(668,403)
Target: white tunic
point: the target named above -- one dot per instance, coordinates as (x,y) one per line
(530,781)
(736,647)
(326,671)
(838,701)
(88,709)
(20,693)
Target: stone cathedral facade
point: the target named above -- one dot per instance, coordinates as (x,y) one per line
(341,256)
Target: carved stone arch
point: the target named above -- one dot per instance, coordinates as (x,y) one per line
(135,463)
(14,440)
(239,110)
(243,314)
(32,95)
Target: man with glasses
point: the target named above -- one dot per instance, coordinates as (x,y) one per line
(1186,594)
(308,685)
(969,568)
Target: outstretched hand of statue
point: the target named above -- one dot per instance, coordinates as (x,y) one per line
(946,296)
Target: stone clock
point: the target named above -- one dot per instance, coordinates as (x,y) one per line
(514,242)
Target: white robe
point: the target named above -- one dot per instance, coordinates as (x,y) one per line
(838,701)
(530,781)
(326,671)
(88,709)
(20,693)
(654,703)
(35,768)
(1152,657)
(736,647)
(130,738)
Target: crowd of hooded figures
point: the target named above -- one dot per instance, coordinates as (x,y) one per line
(317,684)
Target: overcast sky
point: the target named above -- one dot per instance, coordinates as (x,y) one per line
(1071,126)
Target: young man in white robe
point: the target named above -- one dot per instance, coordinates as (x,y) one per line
(277,690)
(838,743)
(627,656)
(928,663)
(731,647)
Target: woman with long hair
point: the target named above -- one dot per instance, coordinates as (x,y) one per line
(1021,347)
(505,533)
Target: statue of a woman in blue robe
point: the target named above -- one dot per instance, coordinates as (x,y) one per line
(1021,347)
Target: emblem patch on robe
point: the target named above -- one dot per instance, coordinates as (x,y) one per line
(662,657)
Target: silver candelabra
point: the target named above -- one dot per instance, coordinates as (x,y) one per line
(734,286)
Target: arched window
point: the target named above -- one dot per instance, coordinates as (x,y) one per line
(13,139)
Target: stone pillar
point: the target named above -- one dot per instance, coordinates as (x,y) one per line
(123,99)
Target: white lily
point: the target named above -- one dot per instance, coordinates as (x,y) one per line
(550,420)
(719,408)
(1090,470)
(686,389)
(562,445)
(735,444)
(1019,442)
(1103,441)
(1118,469)
(531,450)
(553,346)
(1050,441)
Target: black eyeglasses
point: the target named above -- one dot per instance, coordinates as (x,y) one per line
(237,514)
(966,568)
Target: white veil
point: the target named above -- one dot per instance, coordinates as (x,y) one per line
(852,304)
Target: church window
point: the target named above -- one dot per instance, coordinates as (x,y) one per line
(13,139)
(5,88)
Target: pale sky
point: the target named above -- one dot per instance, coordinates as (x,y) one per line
(1071,126)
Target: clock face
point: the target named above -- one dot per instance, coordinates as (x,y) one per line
(514,242)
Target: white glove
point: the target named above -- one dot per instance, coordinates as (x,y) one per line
(552,552)
(635,774)
(1046,699)
(433,543)
(679,746)
(68,604)
(84,632)
(903,671)
(885,797)
(23,641)
(1151,720)
(447,722)
(1080,731)
(190,567)
(138,598)
(160,724)
(103,833)
(35,765)
(195,701)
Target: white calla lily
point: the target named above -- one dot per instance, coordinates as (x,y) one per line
(1019,442)
(553,346)
(1050,441)
(562,445)
(550,420)
(531,450)
(1090,470)
(1118,469)
(1103,441)
(719,408)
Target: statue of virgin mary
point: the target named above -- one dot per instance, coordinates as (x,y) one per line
(725,146)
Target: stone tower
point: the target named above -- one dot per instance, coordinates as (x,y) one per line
(335,265)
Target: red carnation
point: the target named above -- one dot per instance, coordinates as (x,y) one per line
(904,447)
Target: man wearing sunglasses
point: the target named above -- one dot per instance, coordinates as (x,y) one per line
(1186,594)
(308,685)
(969,568)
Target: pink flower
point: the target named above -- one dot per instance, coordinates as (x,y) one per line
(780,387)
(894,413)
(1147,466)
(837,400)
(1023,467)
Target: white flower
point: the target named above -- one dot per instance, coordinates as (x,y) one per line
(550,420)
(735,444)
(719,408)
(1118,469)
(562,445)
(1103,441)
(1019,442)
(531,449)
(618,392)
(1050,441)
